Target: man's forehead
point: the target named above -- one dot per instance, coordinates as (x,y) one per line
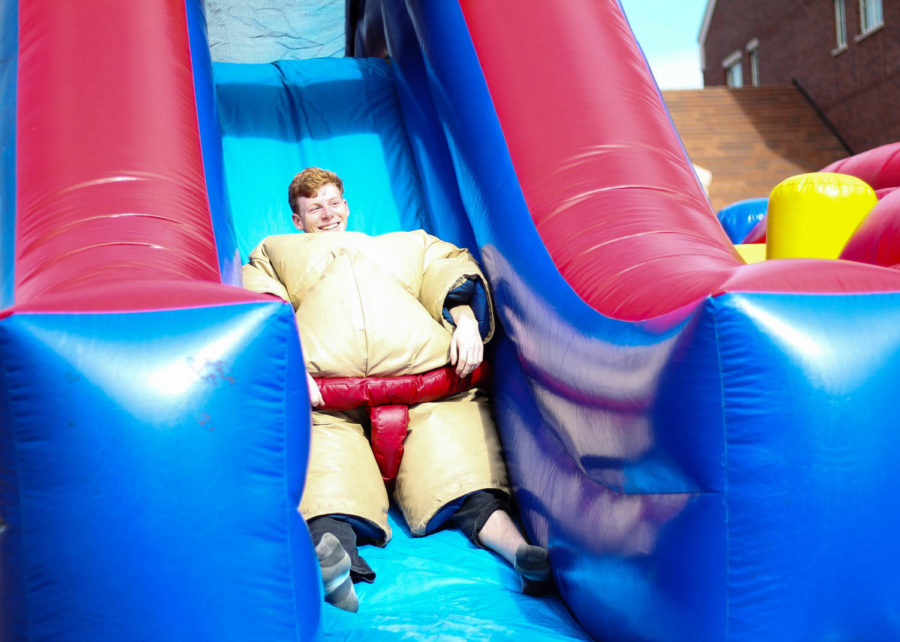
(328,189)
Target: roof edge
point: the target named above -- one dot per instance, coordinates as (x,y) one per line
(704,30)
(707,18)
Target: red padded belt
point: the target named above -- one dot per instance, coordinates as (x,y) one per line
(388,400)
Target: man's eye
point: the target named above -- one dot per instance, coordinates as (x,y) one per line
(334,203)
(314,208)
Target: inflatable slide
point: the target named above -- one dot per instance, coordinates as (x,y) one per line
(704,445)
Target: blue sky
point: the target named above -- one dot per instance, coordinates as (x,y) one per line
(667,32)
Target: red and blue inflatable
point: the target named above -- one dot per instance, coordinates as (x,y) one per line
(705,446)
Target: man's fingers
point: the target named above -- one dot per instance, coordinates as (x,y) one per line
(461,364)
(467,363)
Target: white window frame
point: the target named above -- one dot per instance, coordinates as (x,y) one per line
(840,26)
(753,54)
(734,72)
(871,17)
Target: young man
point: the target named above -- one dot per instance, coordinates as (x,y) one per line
(398,304)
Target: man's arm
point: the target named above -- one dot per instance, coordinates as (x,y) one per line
(260,276)
(452,277)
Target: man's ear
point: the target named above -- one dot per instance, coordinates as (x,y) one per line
(298,222)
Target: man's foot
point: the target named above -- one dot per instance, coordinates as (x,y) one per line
(533,566)
(335,565)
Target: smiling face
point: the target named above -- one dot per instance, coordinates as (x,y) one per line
(326,211)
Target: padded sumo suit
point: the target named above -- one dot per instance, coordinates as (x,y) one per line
(373,306)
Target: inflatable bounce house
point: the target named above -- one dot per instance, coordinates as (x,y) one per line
(703,442)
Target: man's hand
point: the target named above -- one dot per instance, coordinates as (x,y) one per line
(466,346)
(315,397)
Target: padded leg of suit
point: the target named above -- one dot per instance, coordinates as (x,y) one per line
(343,477)
(452,449)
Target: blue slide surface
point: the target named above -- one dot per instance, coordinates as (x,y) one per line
(343,114)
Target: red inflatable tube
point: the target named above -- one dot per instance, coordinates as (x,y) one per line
(603,173)
(879,167)
(877,241)
(112,211)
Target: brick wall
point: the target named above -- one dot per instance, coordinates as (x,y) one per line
(751,139)
(856,88)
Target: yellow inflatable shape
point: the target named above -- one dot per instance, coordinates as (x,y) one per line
(752,252)
(814,215)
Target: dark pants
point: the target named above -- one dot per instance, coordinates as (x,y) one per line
(470,518)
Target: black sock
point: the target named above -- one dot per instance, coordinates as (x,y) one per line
(533,566)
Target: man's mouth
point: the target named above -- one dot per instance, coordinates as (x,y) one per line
(330,227)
